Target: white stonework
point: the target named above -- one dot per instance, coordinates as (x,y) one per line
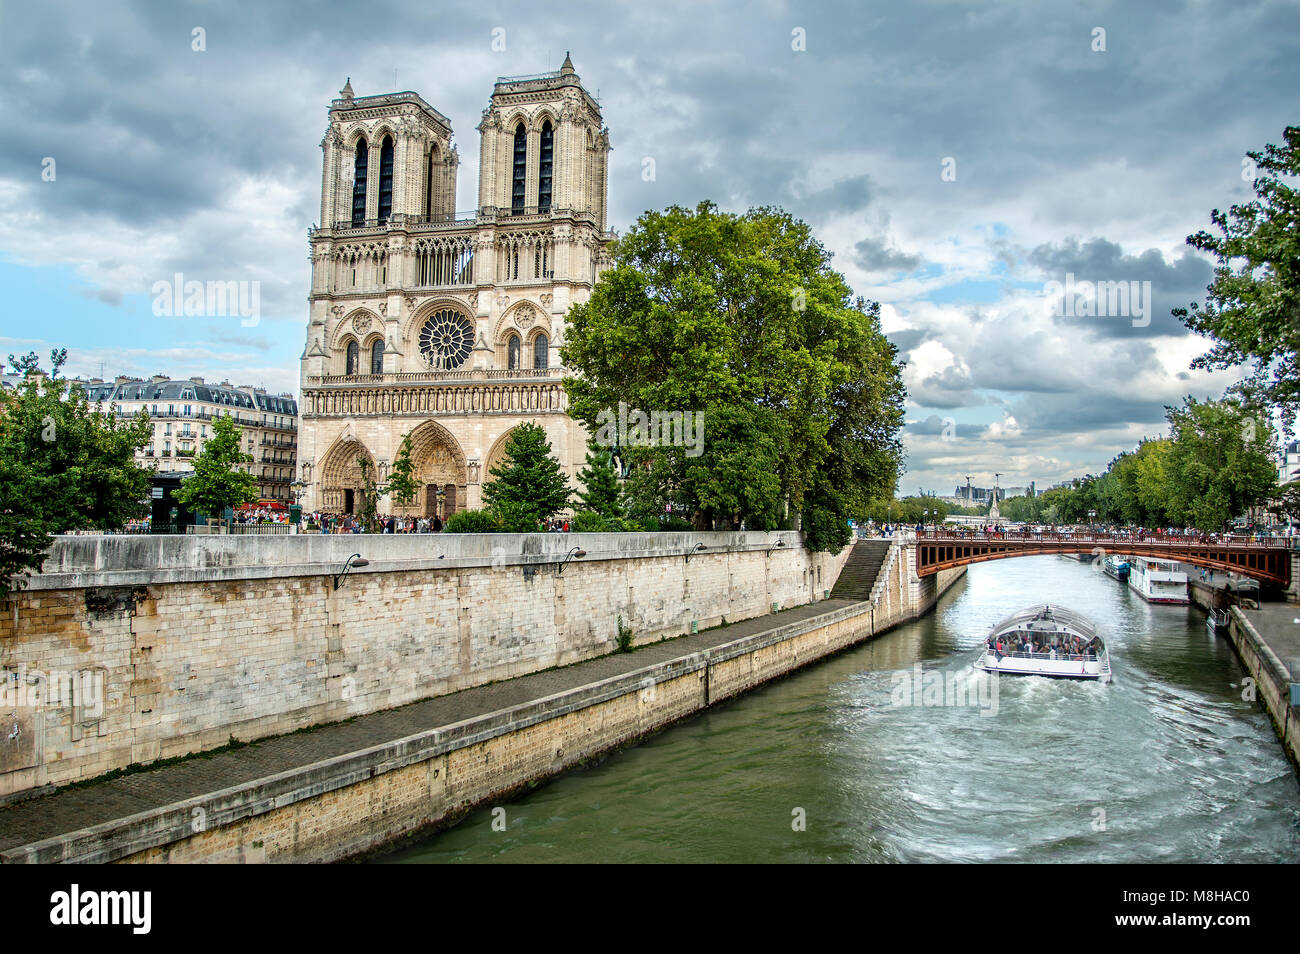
(441,324)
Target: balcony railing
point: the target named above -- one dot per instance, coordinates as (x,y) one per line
(426,377)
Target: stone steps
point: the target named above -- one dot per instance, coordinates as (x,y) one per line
(859,573)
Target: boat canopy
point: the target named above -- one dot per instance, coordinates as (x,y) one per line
(1051,619)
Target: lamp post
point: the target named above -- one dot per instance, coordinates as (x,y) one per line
(296,490)
(573,552)
(353,561)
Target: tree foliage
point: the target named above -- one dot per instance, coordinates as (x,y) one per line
(1215,465)
(529,485)
(218,482)
(740,319)
(402,483)
(64,465)
(1252,310)
(601,493)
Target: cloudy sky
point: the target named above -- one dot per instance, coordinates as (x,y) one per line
(956,157)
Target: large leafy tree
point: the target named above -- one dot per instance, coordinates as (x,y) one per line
(1252,310)
(217,482)
(529,485)
(1220,463)
(64,465)
(740,318)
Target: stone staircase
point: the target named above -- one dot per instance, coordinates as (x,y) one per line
(860,570)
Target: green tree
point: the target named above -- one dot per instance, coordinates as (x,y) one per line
(1220,463)
(529,485)
(739,318)
(64,465)
(402,483)
(601,493)
(217,482)
(368,507)
(1253,308)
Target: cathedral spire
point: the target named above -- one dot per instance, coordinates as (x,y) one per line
(346,92)
(567,67)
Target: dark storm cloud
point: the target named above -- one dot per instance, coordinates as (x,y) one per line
(873,255)
(908,339)
(1173,284)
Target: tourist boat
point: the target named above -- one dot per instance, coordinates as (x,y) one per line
(1061,643)
(1116,567)
(1157,581)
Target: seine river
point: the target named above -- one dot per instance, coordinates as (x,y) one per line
(1168,763)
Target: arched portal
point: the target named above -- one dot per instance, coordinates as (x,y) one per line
(341,481)
(440,471)
(496,456)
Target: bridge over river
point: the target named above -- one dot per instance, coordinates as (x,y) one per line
(1268,559)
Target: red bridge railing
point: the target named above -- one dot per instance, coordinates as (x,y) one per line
(1173,541)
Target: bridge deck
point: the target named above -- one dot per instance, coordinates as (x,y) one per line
(1262,559)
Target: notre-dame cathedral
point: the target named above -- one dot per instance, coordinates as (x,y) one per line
(441,324)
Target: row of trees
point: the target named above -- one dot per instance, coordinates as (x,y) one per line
(1216,464)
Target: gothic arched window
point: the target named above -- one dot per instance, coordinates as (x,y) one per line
(377,357)
(354,355)
(386,179)
(521,164)
(512,353)
(359,183)
(547,165)
(540,347)
(428,185)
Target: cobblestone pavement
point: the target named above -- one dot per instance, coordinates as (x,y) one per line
(81,807)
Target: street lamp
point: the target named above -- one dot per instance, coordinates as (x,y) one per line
(698,547)
(573,552)
(353,561)
(775,546)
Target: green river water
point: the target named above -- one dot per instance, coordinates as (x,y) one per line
(1167,763)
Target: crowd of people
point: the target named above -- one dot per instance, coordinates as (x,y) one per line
(1058,647)
(348,523)
(250,515)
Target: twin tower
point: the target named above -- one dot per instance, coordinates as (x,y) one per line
(445,325)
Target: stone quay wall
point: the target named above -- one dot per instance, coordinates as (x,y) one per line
(161,646)
(1272,681)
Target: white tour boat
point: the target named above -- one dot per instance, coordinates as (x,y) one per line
(1157,581)
(1046,640)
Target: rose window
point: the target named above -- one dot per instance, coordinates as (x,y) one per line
(446,340)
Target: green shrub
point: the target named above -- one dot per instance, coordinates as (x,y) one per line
(675,524)
(472,521)
(515,517)
(588,521)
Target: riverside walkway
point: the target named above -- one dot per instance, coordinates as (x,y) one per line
(97,803)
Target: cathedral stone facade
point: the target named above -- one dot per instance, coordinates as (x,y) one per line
(446,325)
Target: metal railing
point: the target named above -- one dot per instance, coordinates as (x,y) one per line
(1058,657)
(1172,541)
